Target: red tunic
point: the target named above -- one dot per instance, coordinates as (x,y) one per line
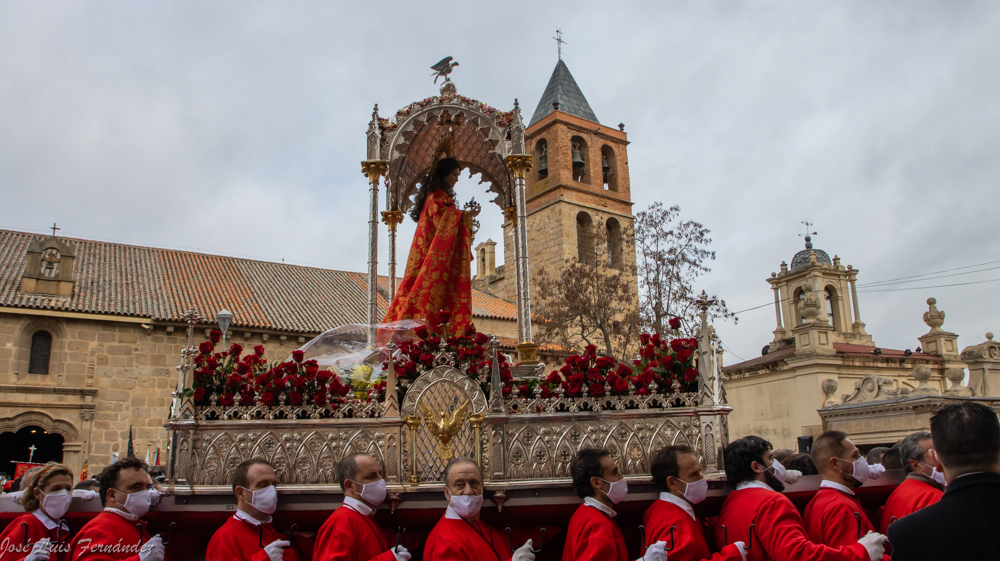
(778,531)
(593,536)
(239,540)
(108,537)
(911,496)
(438,272)
(830,518)
(348,535)
(689,542)
(12,546)
(460,540)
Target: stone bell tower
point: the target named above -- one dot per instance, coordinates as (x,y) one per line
(578,182)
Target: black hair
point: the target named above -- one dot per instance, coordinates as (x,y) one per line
(241,475)
(966,437)
(586,464)
(740,456)
(433,181)
(801,462)
(108,477)
(664,464)
(874,456)
(892,459)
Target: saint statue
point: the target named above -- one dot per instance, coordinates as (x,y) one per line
(438,275)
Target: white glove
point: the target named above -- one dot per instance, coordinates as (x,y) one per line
(41,551)
(656,552)
(401,553)
(16,496)
(792,475)
(875,471)
(276,549)
(875,544)
(152,550)
(743,549)
(524,553)
(154,496)
(84,494)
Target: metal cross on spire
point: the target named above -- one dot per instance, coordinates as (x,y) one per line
(809,225)
(559,42)
(53,228)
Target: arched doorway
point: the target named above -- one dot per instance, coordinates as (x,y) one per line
(16,447)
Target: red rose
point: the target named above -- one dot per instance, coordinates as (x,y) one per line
(199,394)
(299,382)
(426,359)
(312,369)
(319,398)
(323,376)
(524,389)
(259,350)
(573,390)
(242,368)
(506,391)
(597,379)
(546,393)
(246,399)
(206,348)
(655,339)
(478,351)
(621,386)
(690,375)
(666,361)
(683,355)
(596,390)
(444,317)
(623,371)
(212,363)
(227,400)
(295,398)
(554,378)
(592,350)
(505,376)
(644,338)
(215,336)
(267,398)
(290,368)
(421,331)
(298,355)
(636,362)
(638,382)
(233,381)
(482,338)
(603,362)
(252,360)
(675,323)
(576,378)
(676,344)
(642,391)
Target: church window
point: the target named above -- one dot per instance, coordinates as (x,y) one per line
(581,168)
(41,350)
(608,168)
(584,236)
(833,308)
(614,233)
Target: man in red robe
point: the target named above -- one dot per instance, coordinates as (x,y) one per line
(778,533)
(834,516)
(593,534)
(120,532)
(677,474)
(351,533)
(249,534)
(924,484)
(460,535)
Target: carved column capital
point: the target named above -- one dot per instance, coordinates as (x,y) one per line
(373,169)
(519,165)
(392,218)
(510,213)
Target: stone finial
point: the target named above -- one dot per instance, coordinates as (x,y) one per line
(933,317)
(922,373)
(784,267)
(829,388)
(989,335)
(810,307)
(956,376)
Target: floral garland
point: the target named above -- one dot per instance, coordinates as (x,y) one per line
(503,119)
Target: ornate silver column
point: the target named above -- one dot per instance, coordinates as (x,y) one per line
(373,170)
(519,165)
(392,218)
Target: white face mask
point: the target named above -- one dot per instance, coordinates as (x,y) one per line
(466,506)
(374,493)
(264,500)
(862,471)
(618,490)
(56,503)
(779,470)
(695,491)
(136,503)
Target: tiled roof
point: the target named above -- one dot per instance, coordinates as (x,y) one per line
(841,349)
(563,88)
(761,360)
(162,284)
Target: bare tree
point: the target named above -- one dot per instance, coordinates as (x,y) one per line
(670,256)
(593,301)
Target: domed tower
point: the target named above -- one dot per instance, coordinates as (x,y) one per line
(812,303)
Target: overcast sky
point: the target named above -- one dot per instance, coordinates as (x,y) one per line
(238,127)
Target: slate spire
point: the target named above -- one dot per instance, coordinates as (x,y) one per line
(562,88)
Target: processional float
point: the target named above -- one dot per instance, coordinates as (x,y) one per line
(522,443)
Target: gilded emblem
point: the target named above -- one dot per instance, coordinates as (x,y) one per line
(444,427)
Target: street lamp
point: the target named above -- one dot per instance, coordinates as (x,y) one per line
(224,318)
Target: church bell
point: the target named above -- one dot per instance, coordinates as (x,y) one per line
(543,162)
(577,156)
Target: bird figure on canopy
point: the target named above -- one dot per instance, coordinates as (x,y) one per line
(443,68)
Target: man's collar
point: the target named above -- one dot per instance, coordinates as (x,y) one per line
(358,506)
(753,483)
(923,478)
(240,515)
(838,486)
(591,501)
(970,473)
(122,513)
(674,499)
(48,522)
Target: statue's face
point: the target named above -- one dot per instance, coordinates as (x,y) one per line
(452,178)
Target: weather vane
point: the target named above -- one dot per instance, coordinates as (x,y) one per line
(809,225)
(559,42)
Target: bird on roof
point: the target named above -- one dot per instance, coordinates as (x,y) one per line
(443,68)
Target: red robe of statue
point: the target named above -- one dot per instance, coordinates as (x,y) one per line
(12,547)
(239,540)
(348,535)
(778,531)
(455,539)
(438,274)
(109,537)
(830,518)
(688,539)
(593,536)
(912,495)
